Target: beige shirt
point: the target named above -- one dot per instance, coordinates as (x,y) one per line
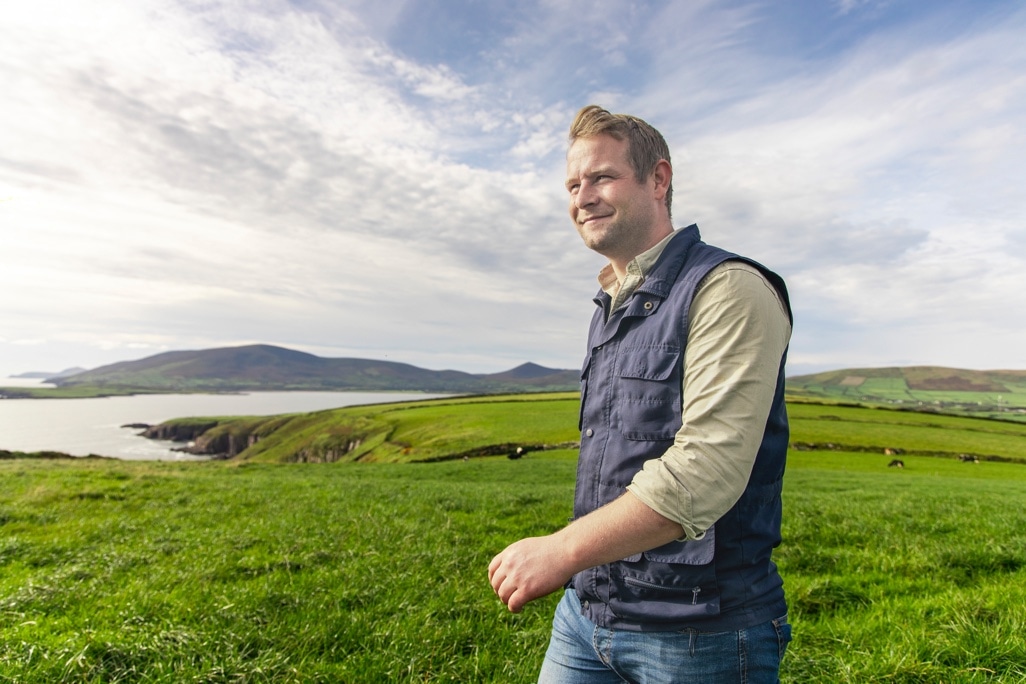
(738,329)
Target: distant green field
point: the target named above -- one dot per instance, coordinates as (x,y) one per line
(410,431)
(905,432)
(987,394)
(247,571)
(66,392)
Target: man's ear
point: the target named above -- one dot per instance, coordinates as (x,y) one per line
(661,176)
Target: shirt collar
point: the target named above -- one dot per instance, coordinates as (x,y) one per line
(637,269)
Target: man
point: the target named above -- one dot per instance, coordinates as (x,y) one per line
(684,435)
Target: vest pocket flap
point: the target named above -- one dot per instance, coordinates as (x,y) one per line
(697,552)
(648,391)
(649,363)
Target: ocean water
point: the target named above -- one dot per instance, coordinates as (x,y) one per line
(81,427)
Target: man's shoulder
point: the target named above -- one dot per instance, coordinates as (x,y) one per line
(735,264)
(734,277)
(742,283)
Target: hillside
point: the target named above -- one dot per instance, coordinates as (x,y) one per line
(993,394)
(469,427)
(265,367)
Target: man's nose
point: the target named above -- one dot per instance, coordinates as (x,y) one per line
(585,196)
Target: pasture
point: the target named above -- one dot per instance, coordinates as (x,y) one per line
(247,571)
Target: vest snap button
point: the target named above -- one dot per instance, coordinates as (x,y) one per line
(648,306)
(589,432)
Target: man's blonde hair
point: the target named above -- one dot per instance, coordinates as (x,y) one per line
(645,145)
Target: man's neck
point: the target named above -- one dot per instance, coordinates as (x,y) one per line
(619,264)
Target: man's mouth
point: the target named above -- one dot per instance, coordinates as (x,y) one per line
(588,219)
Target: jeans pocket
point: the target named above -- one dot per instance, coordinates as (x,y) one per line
(783,628)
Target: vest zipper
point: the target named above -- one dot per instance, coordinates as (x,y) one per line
(636,582)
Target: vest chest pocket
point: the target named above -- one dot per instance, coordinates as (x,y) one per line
(648,391)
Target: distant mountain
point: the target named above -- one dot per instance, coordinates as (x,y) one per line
(533,374)
(266,367)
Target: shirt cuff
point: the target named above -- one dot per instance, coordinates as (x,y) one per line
(673,504)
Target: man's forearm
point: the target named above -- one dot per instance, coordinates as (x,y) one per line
(537,566)
(619,529)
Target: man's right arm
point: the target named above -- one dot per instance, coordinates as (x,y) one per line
(738,331)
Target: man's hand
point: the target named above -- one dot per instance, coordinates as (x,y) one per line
(529,569)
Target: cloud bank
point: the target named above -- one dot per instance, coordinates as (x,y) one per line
(385,181)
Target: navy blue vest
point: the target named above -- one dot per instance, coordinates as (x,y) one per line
(630,412)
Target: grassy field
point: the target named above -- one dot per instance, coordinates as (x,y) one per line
(249,571)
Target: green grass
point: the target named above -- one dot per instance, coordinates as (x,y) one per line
(211,572)
(916,575)
(244,571)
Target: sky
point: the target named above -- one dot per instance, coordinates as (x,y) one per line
(383,179)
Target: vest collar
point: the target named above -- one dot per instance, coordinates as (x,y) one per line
(659,281)
(657,286)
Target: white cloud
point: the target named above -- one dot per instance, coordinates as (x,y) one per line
(178,174)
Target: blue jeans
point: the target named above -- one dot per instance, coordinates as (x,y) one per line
(582,653)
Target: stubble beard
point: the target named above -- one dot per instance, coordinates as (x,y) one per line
(614,240)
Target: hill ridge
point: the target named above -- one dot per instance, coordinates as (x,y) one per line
(269,367)
(994,393)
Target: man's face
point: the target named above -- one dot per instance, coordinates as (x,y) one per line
(613,212)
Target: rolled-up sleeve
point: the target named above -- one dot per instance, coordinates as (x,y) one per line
(738,331)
